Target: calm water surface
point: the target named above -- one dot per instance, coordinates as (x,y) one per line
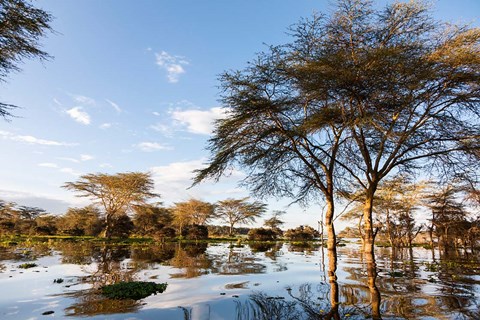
(225,281)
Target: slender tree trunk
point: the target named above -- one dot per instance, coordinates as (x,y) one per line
(368,234)
(332,239)
(108,226)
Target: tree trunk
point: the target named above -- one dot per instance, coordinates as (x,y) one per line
(332,239)
(368,234)
(108,226)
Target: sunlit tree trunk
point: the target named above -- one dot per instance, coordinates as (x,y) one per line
(332,239)
(368,234)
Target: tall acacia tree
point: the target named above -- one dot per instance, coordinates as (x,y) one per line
(284,135)
(21,27)
(116,193)
(410,87)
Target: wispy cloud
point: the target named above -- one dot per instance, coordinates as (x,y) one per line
(152,146)
(114,106)
(83,100)
(173,65)
(172,182)
(32,140)
(70,171)
(48,165)
(105,126)
(86,157)
(199,121)
(77,114)
(81,158)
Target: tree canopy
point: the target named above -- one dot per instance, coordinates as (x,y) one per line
(235,211)
(21,28)
(356,96)
(116,193)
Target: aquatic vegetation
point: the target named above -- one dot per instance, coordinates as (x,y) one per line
(27,265)
(133,290)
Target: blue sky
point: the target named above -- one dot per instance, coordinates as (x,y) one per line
(133,87)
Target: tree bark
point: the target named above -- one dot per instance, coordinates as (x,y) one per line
(332,239)
(368,234)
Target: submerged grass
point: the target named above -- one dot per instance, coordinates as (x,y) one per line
(133,290)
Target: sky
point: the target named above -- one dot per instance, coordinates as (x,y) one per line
(133,86)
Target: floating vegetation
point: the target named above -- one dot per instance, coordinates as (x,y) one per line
(27,265)
(133,290)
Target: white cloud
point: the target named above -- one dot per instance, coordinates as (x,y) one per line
(114,106)
(32,140)
(163,128)
(48,165)
(83,157)
(105,165)
(199,121)
(83,100)
(172,182)
(172,64)
(70,171)
(151,146)
(69,159)
(77,114)
(155,113)
(105,126)
(86,157)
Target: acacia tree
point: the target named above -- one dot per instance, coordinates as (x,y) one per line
(284,135)
(21,27)
(116,193)
(448,216)
(409,89)
(274,221)
(235,211)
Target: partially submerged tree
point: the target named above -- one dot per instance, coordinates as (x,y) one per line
(21,27)
(366,92)
(116,193)
(410,87)
(235,211)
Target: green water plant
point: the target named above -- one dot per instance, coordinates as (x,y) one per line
(133,290)
(27,265)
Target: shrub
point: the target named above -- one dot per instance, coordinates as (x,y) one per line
(302,233)
(262,234)
(195,232)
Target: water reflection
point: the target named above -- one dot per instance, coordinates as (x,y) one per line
(289,280)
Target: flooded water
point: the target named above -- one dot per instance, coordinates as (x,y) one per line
(229,281)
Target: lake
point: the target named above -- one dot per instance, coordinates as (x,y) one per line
(238,281)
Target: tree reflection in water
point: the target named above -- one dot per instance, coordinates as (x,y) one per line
(307,304)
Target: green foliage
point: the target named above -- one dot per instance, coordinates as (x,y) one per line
(133,290)
(28,265)
(116,193)
(21,27)
(302,233)
(195,232)
(262,234)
